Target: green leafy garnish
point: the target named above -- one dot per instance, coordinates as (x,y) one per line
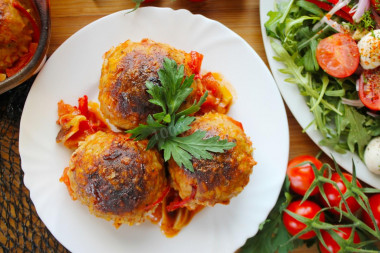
(163,128)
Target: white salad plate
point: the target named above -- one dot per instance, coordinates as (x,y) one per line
(297,105)
(74,70)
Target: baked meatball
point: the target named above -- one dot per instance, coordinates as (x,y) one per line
(116,177)
(126,68)
(219,179)
(15,35)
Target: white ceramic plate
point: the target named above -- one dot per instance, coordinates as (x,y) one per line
(300,110)
(74,70)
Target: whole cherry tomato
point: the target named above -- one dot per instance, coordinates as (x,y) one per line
(335,198)
(338,55)
(374,202)
(333,246)
(301,177)
(307,209)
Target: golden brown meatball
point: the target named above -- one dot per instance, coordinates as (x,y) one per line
(116,177)
(15,35)
(221,178)
(126,68)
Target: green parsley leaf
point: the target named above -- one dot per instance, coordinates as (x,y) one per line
(162,129)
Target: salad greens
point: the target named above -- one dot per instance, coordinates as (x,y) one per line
(290,28)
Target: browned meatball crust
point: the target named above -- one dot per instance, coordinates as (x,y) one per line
(116,177)
(126,68)
(221,178)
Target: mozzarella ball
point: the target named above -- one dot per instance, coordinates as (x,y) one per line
(369,49)
(372,155)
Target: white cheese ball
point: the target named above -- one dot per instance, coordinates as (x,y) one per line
(369,49)
(372,155)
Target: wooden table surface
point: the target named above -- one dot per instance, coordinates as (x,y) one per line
(241,16)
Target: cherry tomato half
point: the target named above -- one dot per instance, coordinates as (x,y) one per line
(333,246)
(369,88)
(338,55)
(301,177)
(307,209)
(374,202)
(376,5)
(335,198)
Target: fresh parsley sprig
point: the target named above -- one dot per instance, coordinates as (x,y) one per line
(163,128)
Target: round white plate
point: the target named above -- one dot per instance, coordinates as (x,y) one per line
(74,70)
(301,111)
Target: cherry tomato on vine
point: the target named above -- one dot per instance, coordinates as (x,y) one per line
(374,202)
(307,209)
(369,88)
(333,246)
(301,177)
(338,55)
(335,198)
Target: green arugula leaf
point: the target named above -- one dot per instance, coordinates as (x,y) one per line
(358,134)
(162,129)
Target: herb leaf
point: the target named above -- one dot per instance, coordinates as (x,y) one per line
(162,129)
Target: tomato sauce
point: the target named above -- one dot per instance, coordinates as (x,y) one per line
(171,222)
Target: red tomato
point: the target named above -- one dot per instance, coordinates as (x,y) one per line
(334,197)
(369,88)
(301,177)
(376,5)
(307,209)
(374,202)
(338,55)
(333,246)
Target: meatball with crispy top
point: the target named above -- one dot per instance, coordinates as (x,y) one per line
(116,177)
(219,179)
(126,68)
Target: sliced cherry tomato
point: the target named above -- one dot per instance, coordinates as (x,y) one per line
(376,5)
(307,209)
(333,246)
(301,177)
(369,88)
(338,55)
(374,202)
(335,198)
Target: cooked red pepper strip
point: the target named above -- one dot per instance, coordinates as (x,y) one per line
(23,11)
(178,204)
(346,9)
(164,193)
(83,105)
(327,7)
(196,63)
